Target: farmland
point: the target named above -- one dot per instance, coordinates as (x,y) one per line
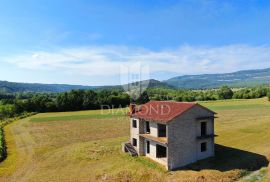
(86,146)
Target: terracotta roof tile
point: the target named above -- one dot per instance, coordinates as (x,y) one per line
(162,111)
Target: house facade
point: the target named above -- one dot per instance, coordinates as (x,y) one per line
(173,134)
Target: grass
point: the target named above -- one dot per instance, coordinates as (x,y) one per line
(86,146)
(80,115)
(75,117)
(236,104)
(8,166)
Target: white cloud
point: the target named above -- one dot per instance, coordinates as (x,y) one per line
(107,60)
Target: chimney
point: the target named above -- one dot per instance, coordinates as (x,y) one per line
(132,108)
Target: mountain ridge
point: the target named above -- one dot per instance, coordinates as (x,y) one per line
(12,87)
(243,78)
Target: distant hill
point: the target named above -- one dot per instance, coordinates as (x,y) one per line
(12,87)
(247,78)
(152,83)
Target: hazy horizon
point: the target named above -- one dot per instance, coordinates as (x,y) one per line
(125,83)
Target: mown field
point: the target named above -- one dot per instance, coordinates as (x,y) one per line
(86,146)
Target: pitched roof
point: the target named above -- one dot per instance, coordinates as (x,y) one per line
(162,111)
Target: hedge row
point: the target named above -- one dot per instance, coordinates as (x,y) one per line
(3,149)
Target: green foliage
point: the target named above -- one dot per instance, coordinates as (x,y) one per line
(3,150)
(12,105)
(206,95)
(268,95)
(89,101)
(6,96)
(67,101)
(181,95)
(83,100)
(119,100)
(70,100)
(251,93)
(143,98)
(7,111)
(3,122)
(225,93)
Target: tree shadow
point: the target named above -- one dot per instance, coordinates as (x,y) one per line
(227,158)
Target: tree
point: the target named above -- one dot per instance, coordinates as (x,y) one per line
(7,111)
(70,101)
(103,97)
(268,95)
(90,100)
(143,98)
(122,100)
(19,106)
(225,93)
(39,103)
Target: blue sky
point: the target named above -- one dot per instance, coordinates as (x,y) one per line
(89,42)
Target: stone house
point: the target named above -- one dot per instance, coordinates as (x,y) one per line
(173,134)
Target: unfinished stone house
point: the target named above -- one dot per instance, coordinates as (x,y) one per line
(173,134)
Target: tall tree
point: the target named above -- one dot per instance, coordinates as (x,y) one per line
(143,98)
(90,100)
(225,93)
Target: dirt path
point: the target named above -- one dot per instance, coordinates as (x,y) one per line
(24,160)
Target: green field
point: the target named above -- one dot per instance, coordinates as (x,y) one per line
(86,146)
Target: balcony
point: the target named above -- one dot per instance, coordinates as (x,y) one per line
(162,140)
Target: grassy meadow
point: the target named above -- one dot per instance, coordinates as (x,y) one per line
(86,146)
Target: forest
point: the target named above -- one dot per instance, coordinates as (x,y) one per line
(15,104)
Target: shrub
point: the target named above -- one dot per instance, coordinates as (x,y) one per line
(225,93)
(3,150)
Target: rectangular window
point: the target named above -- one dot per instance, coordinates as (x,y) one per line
(203,147)
(147,147)
(161,151)
(134,142)
(134,123)
(203,128)
(147,127)
(161,130)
